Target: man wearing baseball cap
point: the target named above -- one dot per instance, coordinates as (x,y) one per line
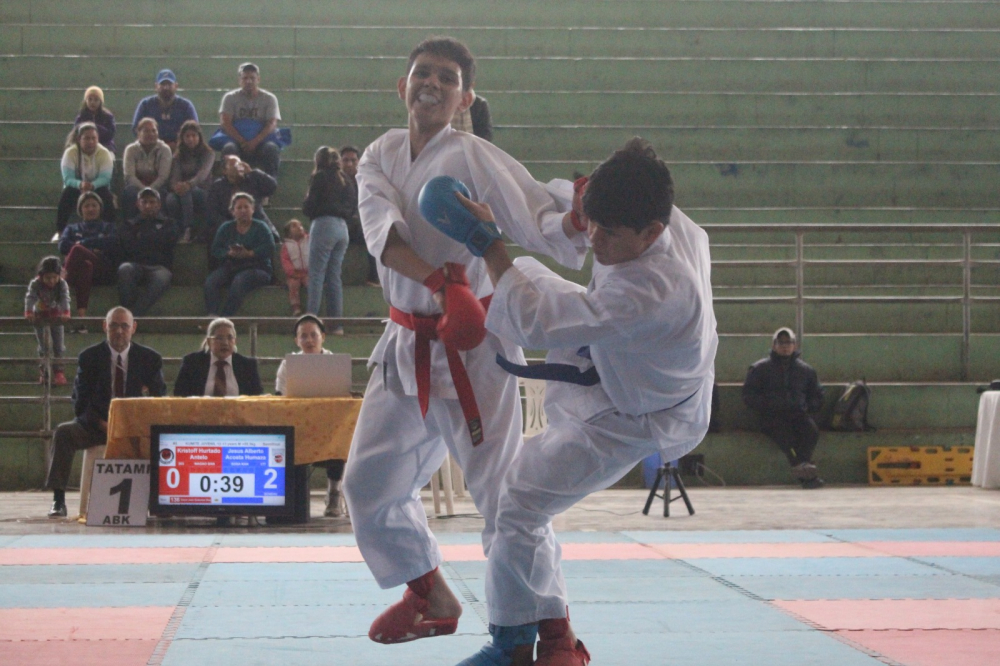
(249,116)
(786,393)
(169,109)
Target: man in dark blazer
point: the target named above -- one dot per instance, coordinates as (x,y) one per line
(115,368)
(217,370)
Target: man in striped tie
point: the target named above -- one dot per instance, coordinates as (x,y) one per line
(114,368)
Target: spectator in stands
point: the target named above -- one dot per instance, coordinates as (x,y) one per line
(190,178)
(331,199)
(249,116)
(146,164)
(784,390)
(475,119)
(46,306)
(93,111)
(217,370)
(349,158)
(86,167)
(147,243)
(167,108)
(238,176)
(310,334)
(91,249)
(115,368)
(295,261)
(245,247)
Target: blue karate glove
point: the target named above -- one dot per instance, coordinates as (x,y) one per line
(439,206)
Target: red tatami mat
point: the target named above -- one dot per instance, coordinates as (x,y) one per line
(936,548)
(291,554)
(898,613)
(63,624)
(609,551)
(932,648)
(689,551)
(14,556)
(78,653)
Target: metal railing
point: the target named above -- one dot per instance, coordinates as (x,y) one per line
(254,326)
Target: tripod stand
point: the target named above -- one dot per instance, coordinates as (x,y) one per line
(669,473)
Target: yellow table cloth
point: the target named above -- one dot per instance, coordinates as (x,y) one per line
(323,426)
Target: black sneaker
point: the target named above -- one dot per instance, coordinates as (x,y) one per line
(812,484)
(58,510)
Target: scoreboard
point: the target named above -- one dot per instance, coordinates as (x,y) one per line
(215,467)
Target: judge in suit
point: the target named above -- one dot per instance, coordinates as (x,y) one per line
(115,368)
(217,370)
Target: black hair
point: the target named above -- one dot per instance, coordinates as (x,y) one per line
(286,231)
(328,159)
(73,138)
(50,264)
(349,149)
(632,188)
(199,150)
(308,317)
(450,49)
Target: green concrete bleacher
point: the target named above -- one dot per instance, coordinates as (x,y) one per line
(875,113)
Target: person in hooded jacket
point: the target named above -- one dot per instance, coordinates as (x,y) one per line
(785,391)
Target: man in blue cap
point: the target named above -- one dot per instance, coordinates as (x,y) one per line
(169,109)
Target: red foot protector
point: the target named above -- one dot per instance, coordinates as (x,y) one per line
(555,648)
(404,620)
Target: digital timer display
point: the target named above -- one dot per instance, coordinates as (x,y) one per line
(221,469)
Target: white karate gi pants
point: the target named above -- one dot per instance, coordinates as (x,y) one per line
(557,468)
(395,451)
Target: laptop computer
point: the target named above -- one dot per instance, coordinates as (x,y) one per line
(317,375)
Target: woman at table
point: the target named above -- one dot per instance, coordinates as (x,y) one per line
(217,370)
(245,247)
(310,334)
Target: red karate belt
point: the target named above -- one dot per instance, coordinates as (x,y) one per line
(426,329)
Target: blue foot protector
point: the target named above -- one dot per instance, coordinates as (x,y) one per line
(500,650)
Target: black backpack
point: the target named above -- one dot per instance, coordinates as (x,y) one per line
(850,414)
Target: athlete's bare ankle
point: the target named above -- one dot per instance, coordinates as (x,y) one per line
(443,602)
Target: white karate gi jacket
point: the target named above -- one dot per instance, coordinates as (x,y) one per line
(388,184)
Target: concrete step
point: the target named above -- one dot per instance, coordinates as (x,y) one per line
(677,143)
(945,14)
(526,73)
(35,182)
(495,41)
(377,103)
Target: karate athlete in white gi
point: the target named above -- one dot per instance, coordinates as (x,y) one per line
(425,400)
(644,331)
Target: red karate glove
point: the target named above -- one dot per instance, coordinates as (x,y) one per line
(463,324)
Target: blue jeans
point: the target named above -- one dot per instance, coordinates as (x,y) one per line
(189,209)
(131,276)
(240,284)
(58,343)
(327,247)
(267,157)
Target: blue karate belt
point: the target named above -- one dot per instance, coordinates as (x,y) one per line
(557,372)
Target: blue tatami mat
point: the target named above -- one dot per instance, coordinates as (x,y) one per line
(279,540)
(314,571)
(293,592)
(933,534)
(730,536)
(117,595)
(296,621)
(668,616)
(98,573)
(114,541)
(326,652)
(612,589)
(813,566)
(864,587)
(971,566)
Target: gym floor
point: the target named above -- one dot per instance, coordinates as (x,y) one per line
(839,576)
